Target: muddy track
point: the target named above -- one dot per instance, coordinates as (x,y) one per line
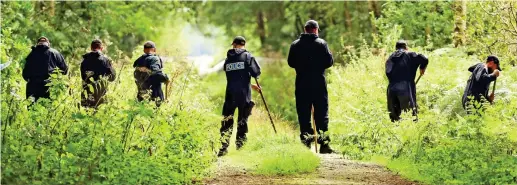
(334,169)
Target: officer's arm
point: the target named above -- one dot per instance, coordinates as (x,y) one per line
(84,76)
(291,58)
(423,61)
(254,68)
(26,72)
(488,77)
(61,63)
(110,71)
(156,70)
(327,59)
(471,68)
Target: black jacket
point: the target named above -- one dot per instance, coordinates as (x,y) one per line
(154,64)
(41,62)
(310,56)
(239,67)
(96,65)
(478,84)
(401,69)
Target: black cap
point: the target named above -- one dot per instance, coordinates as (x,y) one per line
(401,44)
(239,40)
(149,44)
(496,61)
(311,24)
(43,39)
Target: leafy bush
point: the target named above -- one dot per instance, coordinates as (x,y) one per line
(123,142)
(446,145)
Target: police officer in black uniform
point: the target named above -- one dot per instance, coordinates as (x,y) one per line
(39,64)
(401,69)
(149,76)
(310,57)
(239,66)
(478,84)
(96,71)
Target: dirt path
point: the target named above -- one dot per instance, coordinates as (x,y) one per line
(333,170)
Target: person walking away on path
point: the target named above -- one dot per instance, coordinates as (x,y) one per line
(149,76)
(310,57)
(96,71)
(401,69)
(478,84)
(39,64)
(239,67)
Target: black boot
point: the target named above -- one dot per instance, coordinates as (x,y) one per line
(307,143)
(240,142)
(222,152)
(325,149)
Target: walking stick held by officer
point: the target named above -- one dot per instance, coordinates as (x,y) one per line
(265,104)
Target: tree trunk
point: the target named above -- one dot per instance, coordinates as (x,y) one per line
(460,23)
(348,18)
(374,7)
(261,28)
(52,8)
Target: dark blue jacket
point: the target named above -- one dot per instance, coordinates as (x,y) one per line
(310,56)
(478,84)
(153,63)
(41,62)
(96,65)
(401,68)
(239,67)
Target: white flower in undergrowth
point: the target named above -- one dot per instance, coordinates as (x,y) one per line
(13,93)
(32,99)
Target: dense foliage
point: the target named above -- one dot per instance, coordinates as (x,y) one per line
(123,142)
(126,142)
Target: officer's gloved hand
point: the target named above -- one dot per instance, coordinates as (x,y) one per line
(167,79)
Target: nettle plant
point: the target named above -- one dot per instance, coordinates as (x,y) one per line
(56,141)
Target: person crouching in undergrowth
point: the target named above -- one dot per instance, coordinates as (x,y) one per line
(239,66)
(478,84)
(149,76)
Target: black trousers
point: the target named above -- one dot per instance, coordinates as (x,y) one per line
(305,100)
(242,123)
(37,89)
(154,89)
(397,104)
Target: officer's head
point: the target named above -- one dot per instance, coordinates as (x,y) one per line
(239,42)
(492,62)
(96,45)
(312,26)
(401,44)
(43,41)
(149,47)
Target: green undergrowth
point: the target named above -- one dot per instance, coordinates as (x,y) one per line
(446,146)
(267,153)
(123,142)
